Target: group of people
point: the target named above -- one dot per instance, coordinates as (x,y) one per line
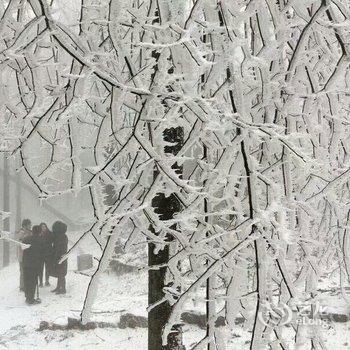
(43,249)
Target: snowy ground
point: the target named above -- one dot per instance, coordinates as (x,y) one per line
(18,322)
(117,295)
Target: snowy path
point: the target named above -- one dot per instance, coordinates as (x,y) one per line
(12,299)
(18,322)
(117,295)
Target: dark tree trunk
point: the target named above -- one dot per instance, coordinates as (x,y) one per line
(165,207)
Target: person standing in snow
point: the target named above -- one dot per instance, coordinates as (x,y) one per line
(32,262)
(24,232)
(60,246)
(47,239)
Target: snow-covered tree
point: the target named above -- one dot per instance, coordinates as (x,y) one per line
(253,95)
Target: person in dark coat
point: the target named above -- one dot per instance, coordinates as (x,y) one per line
(32,261)
(47,238)
(60,246)
(24,232)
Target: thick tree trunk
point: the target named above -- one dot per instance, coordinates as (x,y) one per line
(165,207)
(158,316)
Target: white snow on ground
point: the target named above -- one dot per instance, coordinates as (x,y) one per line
(19,322)
(117,295)
(128,293)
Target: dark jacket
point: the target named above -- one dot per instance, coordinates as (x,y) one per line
(20,236)
(47,240)
(60,246)
(34,255)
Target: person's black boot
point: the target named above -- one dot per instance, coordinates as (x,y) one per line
(47,284)
(30,302)
(54,290)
